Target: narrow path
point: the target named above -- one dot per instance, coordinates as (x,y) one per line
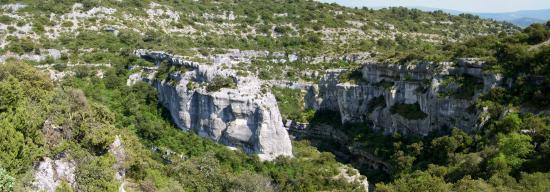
(533,47)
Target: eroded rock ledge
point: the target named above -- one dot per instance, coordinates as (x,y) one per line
(244,116)
(411,99)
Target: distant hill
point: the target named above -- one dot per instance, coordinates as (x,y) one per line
(526,21)
(520,18)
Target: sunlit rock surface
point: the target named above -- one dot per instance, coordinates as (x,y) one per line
(245,116)
(427,85)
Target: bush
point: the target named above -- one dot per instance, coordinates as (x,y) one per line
(291,104)
(417,181)
(67,24)
(537,33)
(385,84)
(6,181)
(467,86)
(96,174)
(60,67)
(22,46)
(221,82)
(352,76)
(281,29)
(5,19)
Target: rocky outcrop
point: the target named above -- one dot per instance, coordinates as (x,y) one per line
(44,55)
(244,116)
(49,174)
(117,150)
(352,175)
(444,94)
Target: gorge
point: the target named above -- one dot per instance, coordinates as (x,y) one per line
(263,95)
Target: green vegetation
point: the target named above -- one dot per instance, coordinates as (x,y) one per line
(291,104)
(24,97)
(4,19)
(409,111)
(165,69)
(498,159)
(521,57)
(466,86)
(23,45)
(6,181)
(90,111)
(290,27)
(221,82)
(353,76)
(509,154)
(385,84)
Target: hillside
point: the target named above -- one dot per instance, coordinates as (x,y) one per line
(520,18)
(290,95)
(304,27)
(313,34)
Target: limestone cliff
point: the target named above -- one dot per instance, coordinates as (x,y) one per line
(49,174)
(413,99)
(244,116)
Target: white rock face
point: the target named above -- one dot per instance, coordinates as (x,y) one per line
(133,79)
(405,84)
(352,175)
(245,117)
(44,55)
(117,149)
(50,173)
(59,75)
(13,7)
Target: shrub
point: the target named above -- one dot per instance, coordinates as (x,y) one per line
(96,174)
(281,29)
(165,69)
(467,86)
(5,19)
(385,84)
(67,24)
(221,82)
(537,33)
(60,67)
(353,76)
(290,102)
(22,46)
(6,181)
(416,181)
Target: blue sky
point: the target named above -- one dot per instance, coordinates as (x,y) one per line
(491,6)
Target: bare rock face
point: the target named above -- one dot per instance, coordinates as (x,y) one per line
(117,150)
(50,173)
(352,175)
(244,116)
(442,95)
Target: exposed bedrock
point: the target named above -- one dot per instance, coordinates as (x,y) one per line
(244,116)
(412,99)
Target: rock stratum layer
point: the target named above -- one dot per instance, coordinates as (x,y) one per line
(412,99)
(244,116)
